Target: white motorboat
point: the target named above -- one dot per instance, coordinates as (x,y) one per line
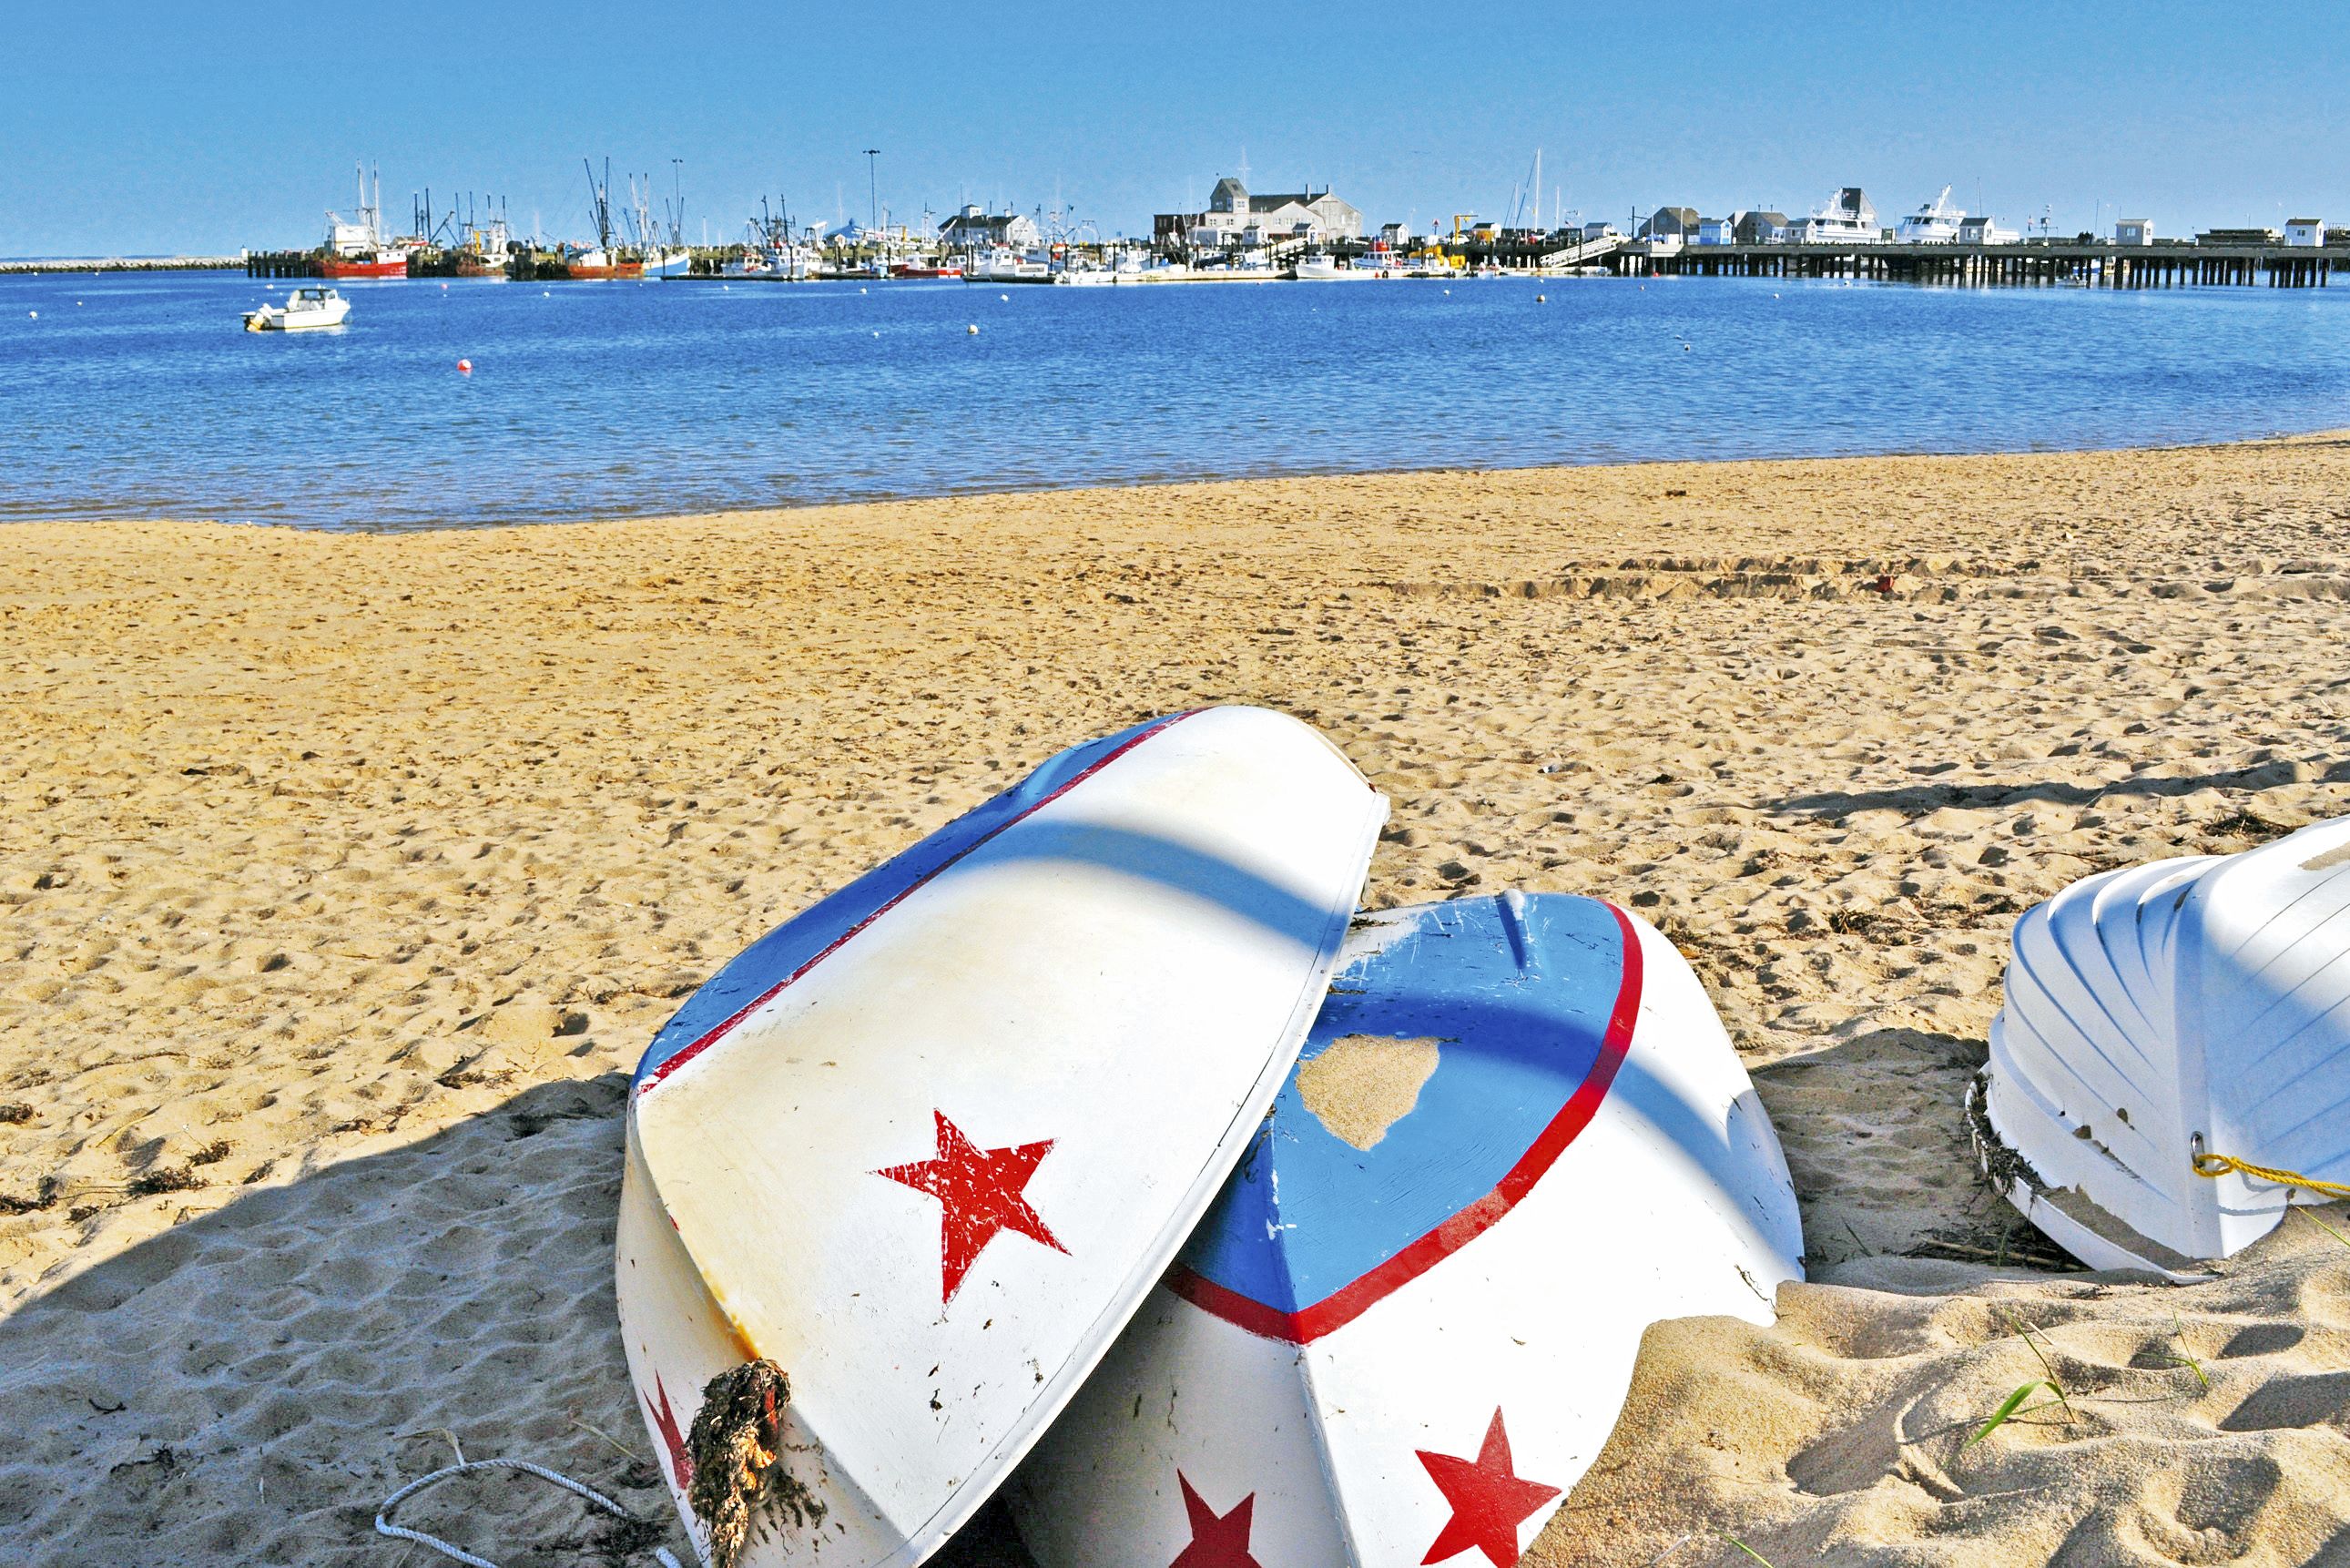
(1935,223)
(1004,265)
(2175,1041)
(1317,268)
(306,308)
(673,262)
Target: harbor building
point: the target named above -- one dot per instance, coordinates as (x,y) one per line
(2134,231)
(976,229)
(1718,231)
(2305,231)
(1982,229)
(1760,228)
(1234,217)
(1674,224)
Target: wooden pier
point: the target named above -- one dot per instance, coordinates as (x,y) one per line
(2095,263)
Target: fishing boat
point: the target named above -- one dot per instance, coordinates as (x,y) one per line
(597,263)
(1516,1137)
(1318,268)
(1001,264)
(304,309)
(897,1175)
(604,259)
(357,248)
(660,262)
(2172,1055)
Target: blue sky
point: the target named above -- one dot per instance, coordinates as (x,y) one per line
(131,128)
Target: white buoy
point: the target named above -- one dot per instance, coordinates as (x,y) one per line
(862,291)
(1541,299)
(1004,297)
(973,330)
(34,314)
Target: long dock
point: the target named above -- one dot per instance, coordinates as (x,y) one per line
(2098,264)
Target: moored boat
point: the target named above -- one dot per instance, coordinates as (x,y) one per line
(895,1177)
(1517,1136)
(304,309)
(357,248)
(2173,1051)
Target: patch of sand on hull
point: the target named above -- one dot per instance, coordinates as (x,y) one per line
(1362,1085)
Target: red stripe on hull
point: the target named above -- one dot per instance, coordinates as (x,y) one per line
(1342,1307)
(362,269)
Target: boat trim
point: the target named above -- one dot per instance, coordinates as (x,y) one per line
(1343,1306)
(727,1026)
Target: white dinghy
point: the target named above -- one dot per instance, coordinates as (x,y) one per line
(900,1172)
(1517,1137)
(2189,1012)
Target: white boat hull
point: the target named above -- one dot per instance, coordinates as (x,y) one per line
(2197,1005)
(290,318)
(1319,1387)
(928,1146)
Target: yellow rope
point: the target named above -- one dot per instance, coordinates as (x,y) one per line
(2218,1165)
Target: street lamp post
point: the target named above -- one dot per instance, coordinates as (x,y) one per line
(872,187)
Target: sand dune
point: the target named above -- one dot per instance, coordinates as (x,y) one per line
(344,873)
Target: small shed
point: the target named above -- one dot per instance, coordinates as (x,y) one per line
(2134,231)
(2305,231)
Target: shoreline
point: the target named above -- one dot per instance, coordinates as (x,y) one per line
(351,872)
(1104,492)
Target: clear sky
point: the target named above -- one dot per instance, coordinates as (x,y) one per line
(129,127)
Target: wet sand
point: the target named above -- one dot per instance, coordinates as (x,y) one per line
(346,875)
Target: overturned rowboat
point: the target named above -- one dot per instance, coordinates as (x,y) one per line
(897,1176)
(1517,1136)
(2174,1052)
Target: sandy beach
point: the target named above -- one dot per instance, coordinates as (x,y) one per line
(346,875)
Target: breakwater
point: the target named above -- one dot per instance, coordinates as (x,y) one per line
(123,264)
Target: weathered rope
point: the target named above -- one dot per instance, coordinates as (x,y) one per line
(384,1526)
(2217,1165)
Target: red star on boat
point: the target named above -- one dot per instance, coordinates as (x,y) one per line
(1489,1500)
(680,1463)
(979,1193)
(1217,1540)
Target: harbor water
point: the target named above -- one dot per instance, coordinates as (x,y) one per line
(137,395)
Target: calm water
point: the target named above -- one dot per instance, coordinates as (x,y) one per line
(140,396)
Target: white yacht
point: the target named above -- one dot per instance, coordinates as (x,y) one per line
(1849,217)
(304,308)
(1935,223)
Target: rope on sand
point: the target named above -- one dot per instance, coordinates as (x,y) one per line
(384,1526)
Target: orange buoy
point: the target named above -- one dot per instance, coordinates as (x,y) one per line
(465,366)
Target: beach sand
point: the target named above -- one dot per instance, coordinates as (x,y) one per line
(347,876)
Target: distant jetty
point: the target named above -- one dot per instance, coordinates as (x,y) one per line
(127,264)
